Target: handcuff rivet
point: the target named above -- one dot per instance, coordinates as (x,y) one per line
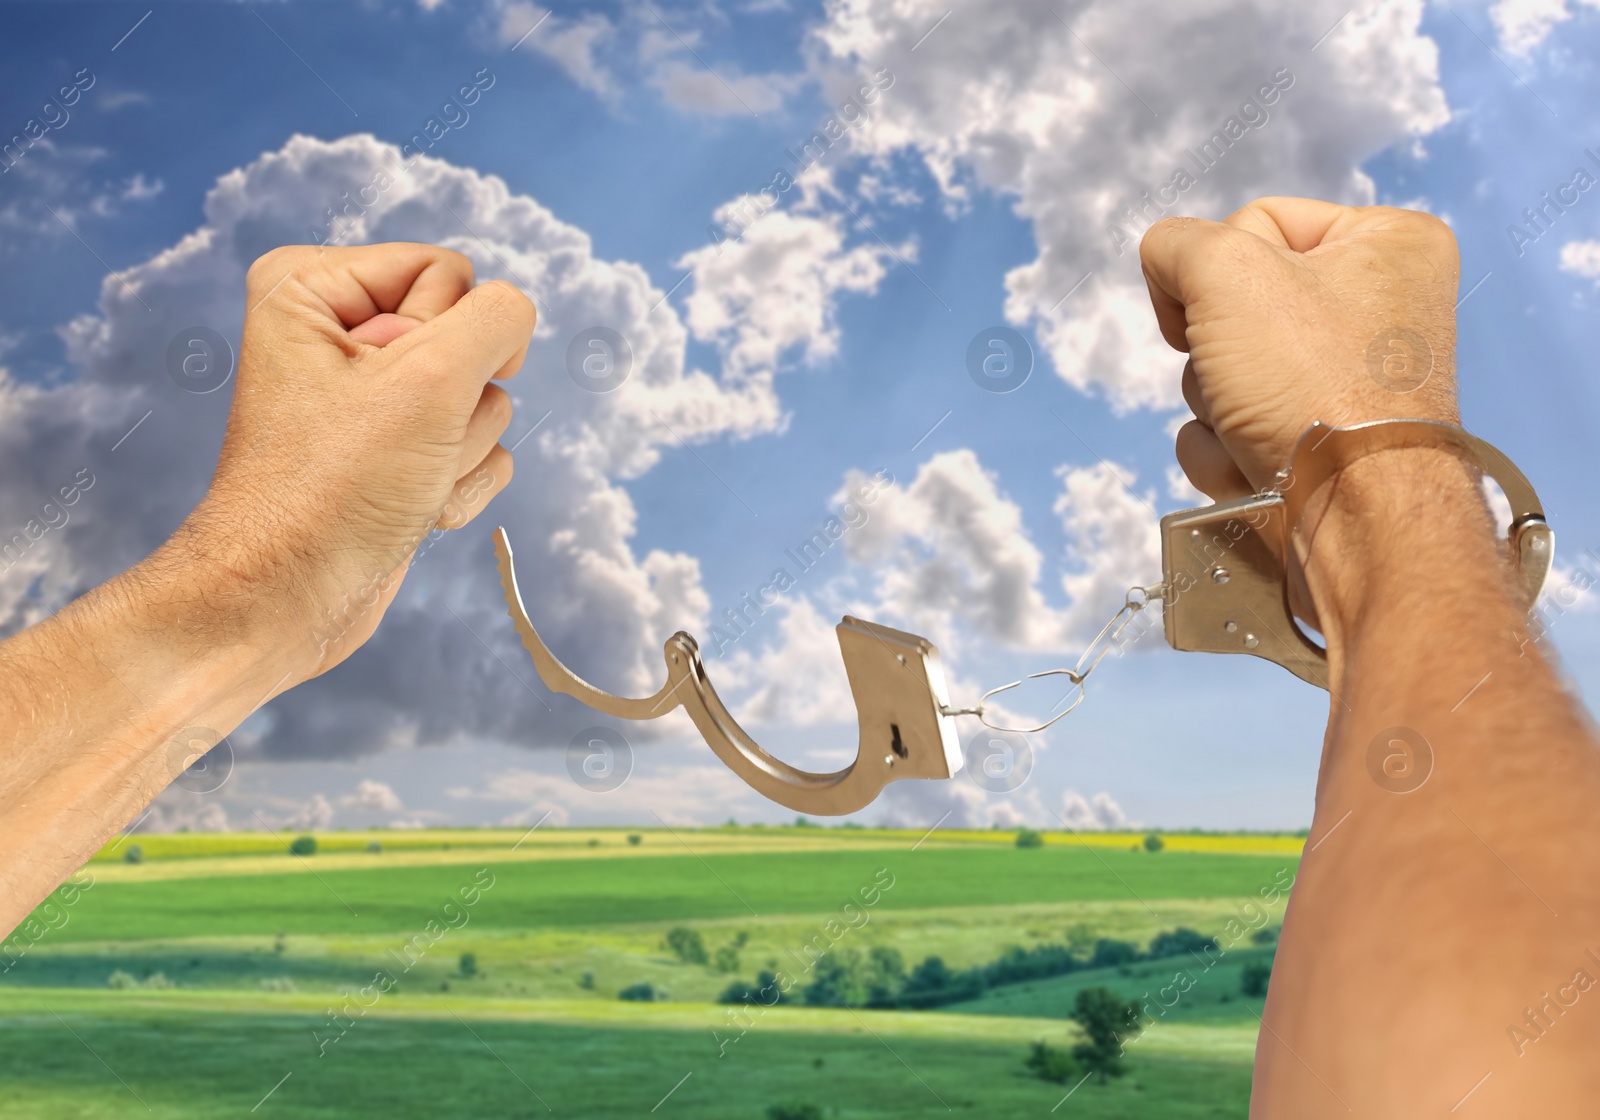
(1230,626)
(1251,641)
(1219,575)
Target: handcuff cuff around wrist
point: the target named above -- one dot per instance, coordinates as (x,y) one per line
(1224,589)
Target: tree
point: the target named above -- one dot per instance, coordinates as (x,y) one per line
(930,978)
(886,975)
(1106,1018)
(687,945)
(1152,843)
(1177,942)
(643,993)
(469,964)
(766,991)
(303,846)
(1017,964)
(1109,952)
(933,984)
(840,980)
(635,839)
(794,1112)
(846,978)
(1253,979)
(1080,939)
(726,959)
(1028,838)
(134,854)
(1051,1063)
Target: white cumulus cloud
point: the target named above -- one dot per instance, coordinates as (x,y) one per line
(576,44)
(314,815)
(774,289)
(374,795)
(1074,111)
(427,676)
(1582,258)
(1100,812)
(1523,24)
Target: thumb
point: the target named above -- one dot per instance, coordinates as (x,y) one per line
(382,329)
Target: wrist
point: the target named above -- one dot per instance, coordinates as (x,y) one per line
(226,596)
(1401,534)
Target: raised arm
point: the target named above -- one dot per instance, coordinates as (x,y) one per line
(1445,923)
(362,418)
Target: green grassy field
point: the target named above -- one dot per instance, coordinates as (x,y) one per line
(582,893)
(233,956)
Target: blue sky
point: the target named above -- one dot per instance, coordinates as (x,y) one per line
(1007,136)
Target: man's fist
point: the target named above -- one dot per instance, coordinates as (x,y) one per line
(363,416)
(1294,311)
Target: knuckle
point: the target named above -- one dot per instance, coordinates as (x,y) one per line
(1434,230)
(518,307)
(270,266)
(502,305)
(459,262)
(498,404)
(1185,443)
(1161,230)
(502,465)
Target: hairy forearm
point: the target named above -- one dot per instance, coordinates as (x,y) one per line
(106,702)
(363,416)
(1442,895)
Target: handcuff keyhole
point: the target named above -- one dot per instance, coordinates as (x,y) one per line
(895,744)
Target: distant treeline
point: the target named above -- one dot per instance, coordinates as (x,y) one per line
(856,826)
(878,978)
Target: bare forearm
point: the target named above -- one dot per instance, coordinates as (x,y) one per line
(363,416)
(1443,892)
(105,703)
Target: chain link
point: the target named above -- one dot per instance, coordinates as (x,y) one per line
(1136,600)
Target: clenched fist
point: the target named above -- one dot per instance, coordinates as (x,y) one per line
(364,416)
(1292,311)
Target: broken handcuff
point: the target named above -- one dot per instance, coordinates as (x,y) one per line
(1224,589)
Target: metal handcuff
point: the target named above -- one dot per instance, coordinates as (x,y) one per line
(1224,589)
